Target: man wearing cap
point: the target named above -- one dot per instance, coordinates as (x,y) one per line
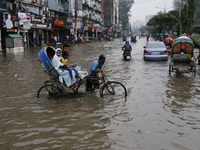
(127,48)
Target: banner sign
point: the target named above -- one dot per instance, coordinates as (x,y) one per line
(22,18)
(11,30)
(53,4)
(69,26)
(60,8)
(58,22)
(69,20)
(85,28)
(37,21)
(31,8)
(66,7)
(71,31)
(18,42)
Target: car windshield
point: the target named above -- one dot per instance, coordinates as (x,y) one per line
(155,45)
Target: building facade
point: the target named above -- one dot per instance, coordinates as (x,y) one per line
(45,19)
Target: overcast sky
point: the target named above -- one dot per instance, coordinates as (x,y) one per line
(142,8)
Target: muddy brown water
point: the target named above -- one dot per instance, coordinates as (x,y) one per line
(160,112)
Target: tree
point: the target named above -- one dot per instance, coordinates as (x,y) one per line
(190,17)
(164,22)
(178,5)
(124,9)
(184,18)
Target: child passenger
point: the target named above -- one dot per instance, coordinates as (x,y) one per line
(64,60)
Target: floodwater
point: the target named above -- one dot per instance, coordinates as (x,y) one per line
(159,113)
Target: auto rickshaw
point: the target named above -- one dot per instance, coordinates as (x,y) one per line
(182,56)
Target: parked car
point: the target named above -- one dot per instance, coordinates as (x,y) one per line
(155,51)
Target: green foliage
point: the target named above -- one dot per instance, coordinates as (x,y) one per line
(191,11)
(124,10)
(115,15)
(184,18)
(178,5)
(164,22)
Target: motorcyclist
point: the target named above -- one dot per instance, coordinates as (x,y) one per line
(127,48)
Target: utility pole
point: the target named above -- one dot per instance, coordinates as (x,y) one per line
(180,17)
(75,33)
(165,8)
(46,13)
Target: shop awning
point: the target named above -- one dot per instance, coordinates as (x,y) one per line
(14,35)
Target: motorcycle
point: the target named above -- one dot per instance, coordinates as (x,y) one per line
(127,55)
(124,38)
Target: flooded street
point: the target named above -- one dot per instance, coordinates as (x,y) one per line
(159,113)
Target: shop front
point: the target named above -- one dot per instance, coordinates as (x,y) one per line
(58,29)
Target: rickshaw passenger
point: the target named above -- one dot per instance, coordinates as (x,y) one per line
(63,73)
(64,60)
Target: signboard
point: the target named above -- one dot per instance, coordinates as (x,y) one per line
(31,8)
(22,30)
(66,7)
(85,28)
(78,24)
(53,4)
(36,21)
(79,5)
(22,18)
(69,26)
(58,22)
(69,20)
(18,42)
(71,31)
(11,30)
(60,8)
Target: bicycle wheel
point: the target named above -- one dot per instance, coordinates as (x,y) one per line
(50,91)
(113,88)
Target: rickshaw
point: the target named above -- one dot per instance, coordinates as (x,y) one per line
(182,60)
(54,87)
(168,41)
(133,39)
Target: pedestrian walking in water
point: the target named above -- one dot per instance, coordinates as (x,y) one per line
(55,40)
(36,40)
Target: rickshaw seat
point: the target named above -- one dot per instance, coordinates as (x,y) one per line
(50,53)
(53,74)
(182,57)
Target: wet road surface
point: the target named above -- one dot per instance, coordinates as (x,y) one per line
(160,112)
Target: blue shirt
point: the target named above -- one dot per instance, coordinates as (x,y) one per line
(35,39)
(125,47)
(93,67)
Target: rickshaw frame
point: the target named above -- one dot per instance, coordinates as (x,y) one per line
(55,87)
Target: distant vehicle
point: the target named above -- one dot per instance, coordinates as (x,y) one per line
(155,51)
(161,38)
(124,38)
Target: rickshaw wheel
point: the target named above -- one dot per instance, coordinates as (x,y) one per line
(114,88)
(52,90)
